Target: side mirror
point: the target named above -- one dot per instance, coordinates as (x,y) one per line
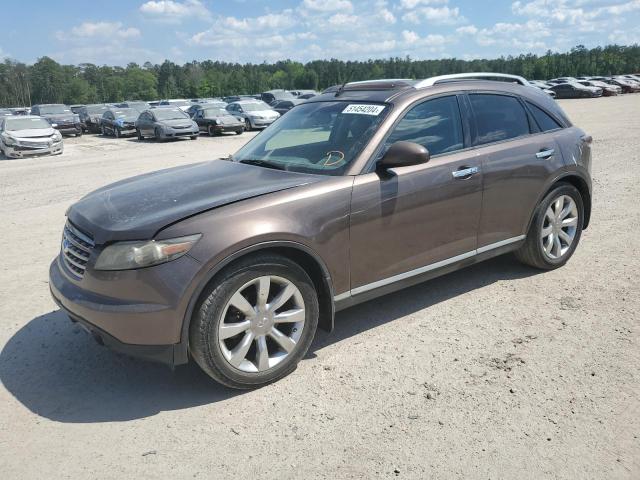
(404,154)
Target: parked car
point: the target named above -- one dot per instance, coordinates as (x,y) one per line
(91,115)
(180,103)
(60,117)
(191,111)
(119,122)
(137,105)
(626,86)
(20,110)
(607,90)
(349,196)
(575,90)
(545,87)
(22,136)
(256,113)
(75,108)
(306,93)
(5,112)
(283,106)
(164,123)
(273,96)
(216,120)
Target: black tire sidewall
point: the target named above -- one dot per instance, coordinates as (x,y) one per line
(564,189)
(210,315)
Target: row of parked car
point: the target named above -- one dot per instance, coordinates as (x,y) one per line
(39,130)
(589,87)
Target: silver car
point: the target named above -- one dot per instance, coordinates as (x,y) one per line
(163,123)
(21,136)
(256,113)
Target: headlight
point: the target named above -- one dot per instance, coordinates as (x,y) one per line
(57,136)
(132,255)
(8,139)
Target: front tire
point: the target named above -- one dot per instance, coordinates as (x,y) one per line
(116,132)
(157,135)
(556,229)
(211,131)
(247,125)
(140,136)
(255,322)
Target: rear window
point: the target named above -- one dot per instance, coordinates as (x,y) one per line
(498,118)
(543,119)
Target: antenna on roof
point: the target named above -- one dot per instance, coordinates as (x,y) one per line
(341,88)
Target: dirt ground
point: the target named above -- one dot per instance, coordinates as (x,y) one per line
(496,371)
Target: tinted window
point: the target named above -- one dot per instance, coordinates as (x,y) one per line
(434,124)
(544,120)
(498,117)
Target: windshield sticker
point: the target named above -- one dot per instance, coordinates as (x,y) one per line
(374,110)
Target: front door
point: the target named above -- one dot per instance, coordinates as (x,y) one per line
(424,216)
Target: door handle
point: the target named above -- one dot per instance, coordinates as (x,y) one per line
(465,172)
(546,154)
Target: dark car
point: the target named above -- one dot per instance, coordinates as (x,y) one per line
(361,191)
(119,122)
(193,109)
(575,90)
(91,115)
(607,89)
(283,106)
(137,105)
(272,96)
(626,85)
(163,123)
(217,120)
(60,117)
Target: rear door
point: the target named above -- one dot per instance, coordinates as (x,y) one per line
(518,157)
(424,216)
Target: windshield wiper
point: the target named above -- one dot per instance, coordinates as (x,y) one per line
(262,163)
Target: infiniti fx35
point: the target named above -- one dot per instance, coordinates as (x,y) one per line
(358,192)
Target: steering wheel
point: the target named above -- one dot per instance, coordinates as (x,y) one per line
(332,158)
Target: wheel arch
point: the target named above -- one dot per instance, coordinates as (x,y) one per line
(297,252)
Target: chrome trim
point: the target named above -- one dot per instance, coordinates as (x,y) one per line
(430,82)
(412,273)
(465,173)
(546,154)
(502,243)
(427,268)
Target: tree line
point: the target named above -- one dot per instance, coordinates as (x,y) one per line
(47,81)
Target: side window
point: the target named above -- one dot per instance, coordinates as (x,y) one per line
(543,119)
(435,124)
(498,117)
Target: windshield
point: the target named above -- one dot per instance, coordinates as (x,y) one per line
(140,106)
(25,124)
(93,109)
(54,109)
(255,107)
(169,114)
(126,114)
(215,112)
(322,138)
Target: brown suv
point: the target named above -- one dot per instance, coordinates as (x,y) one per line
(358,192)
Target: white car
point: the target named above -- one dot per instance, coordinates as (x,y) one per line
(256,113)
(21,136)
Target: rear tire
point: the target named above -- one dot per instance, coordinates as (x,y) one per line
(215,352)
(547,246)
(116,132)
(211,131)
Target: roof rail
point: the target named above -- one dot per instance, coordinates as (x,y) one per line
(498,77)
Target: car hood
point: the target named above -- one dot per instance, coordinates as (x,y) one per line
(137,208)
(32,133)
(178,122)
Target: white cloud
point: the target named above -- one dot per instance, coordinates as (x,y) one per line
(436,15)
(174,11)
(99,30)
(328,5)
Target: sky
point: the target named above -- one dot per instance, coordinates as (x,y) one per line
(117,32)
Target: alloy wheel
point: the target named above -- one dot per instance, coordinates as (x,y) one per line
(559,227)
(261,324)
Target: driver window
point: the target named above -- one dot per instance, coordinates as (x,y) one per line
(435,124)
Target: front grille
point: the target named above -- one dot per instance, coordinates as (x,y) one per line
(76,249)
(26,143)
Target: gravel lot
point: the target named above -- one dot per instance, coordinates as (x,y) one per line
(497,371)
